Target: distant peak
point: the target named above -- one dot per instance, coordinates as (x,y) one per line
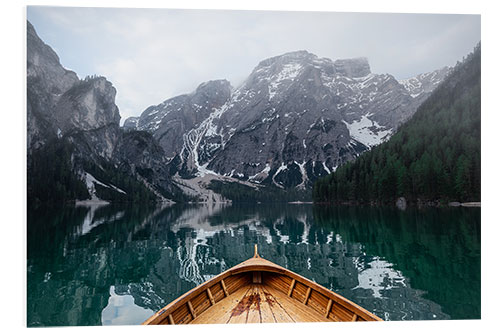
(295,56)
(355,67)
(217,84)
(30,26)
(298,54)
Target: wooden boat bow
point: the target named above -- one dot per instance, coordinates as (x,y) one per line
(255,291)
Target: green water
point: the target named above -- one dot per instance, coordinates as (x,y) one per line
(119,264)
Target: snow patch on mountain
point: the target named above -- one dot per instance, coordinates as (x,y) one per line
(325,167)
(304,175)
(91,182)
(424,83)
(281,168)
(368,131)
(259,176)
(193,138)
(289,72)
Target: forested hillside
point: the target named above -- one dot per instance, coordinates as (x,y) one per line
(435,156)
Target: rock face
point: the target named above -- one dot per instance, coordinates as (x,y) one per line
(92,102)
(173,120)
(131,123)
(81,117)
(59,103)
(46,80)
(139,154)
(295,118)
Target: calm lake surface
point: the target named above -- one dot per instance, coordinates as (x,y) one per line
(113,265)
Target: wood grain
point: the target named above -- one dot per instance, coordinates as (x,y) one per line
(328,307)
(223,285)
(221,313)
(277,294)
(291,287)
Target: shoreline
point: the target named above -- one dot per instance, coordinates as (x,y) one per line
(467,204)
(470,204)
(88,203)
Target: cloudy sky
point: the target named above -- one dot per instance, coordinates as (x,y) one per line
(153,54)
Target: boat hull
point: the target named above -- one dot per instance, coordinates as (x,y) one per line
(259,291)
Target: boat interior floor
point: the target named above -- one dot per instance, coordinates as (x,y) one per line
(258,303)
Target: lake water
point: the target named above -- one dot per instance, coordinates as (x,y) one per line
(119,264)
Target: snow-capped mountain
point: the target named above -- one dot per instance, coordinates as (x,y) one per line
(295,118)
(423,84)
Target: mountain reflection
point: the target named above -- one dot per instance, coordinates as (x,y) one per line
(83,261)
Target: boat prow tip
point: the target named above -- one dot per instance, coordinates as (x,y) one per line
(256,253)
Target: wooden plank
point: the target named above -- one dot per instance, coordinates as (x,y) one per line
(251,307)
(354,317)
(308,293)
(191,309)
(290,290)
(171,319)
(224,287)
(299,292)
(284,285)
(217,292)
(296,309)
(328,307)
(221,313)
(234,283)
(259,306)
(219,295)
(317,301)
(278,311)
(284,278)
(266,304)
(210,297)
(239,314)
(333,317)
(230,280)
(243,284)
(257,277)
(277,283)
(182,315)
(341,312)
(200,303)
(254,308)
(281,278)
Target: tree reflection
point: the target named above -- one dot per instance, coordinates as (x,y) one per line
(400,265)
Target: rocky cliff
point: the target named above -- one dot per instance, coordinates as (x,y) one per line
(46,80)
(76,148)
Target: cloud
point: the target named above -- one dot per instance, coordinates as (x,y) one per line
(154,54)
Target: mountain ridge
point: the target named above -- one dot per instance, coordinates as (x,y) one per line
(295,118)
(296,114)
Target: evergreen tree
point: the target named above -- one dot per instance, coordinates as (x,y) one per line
(436,155)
